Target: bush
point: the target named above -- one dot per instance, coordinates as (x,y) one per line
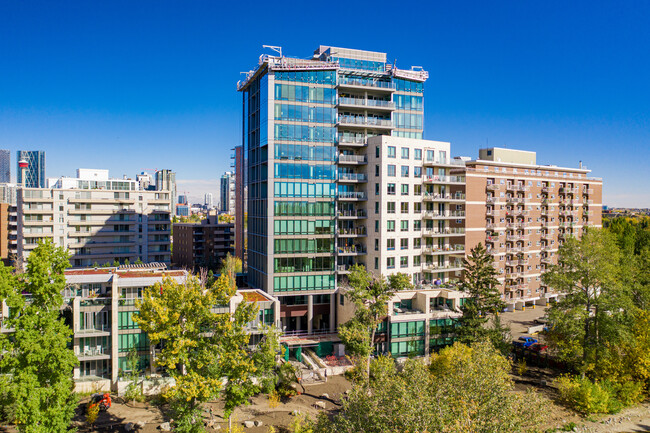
(91,414)
(629,392)
(587,397)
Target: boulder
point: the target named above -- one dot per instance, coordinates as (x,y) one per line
(325,395)
(258,423)
(140,424)
(320,405)
(249,424)
(165,427)
(129,426)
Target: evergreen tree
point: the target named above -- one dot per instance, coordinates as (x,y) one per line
(480,282)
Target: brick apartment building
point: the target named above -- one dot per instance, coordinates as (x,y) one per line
(522,212)
(202,244)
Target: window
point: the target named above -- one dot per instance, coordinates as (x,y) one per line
(417,171)
(417,225)
(417,243)
(391,188)
(405,189)
(390,244)
(417,207)
(416,260)
(376,189)
(376,207)
(377,226)
(404,208)
(391,225)
(405,171)
(405,153)
(392,152)
(417,189)
(390,207)
(376,244)
(376,262)
(390,262)
(418,154)
(377,151)
(377,170)
(429,155)
(404,226)
(403,244)
(404,262)
(391,170)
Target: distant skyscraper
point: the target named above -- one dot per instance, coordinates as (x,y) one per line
(166,181)
(182,199)
(35,173)
(228,192)
(208,201)
(5,166)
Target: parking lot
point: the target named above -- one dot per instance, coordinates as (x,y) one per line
(520,321)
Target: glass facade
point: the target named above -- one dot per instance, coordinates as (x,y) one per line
(305,130)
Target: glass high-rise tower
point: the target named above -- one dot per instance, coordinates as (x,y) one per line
(306,125)
(35,173)
(5,166)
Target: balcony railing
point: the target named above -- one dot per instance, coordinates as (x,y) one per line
(445,179)
(515,200)
(369,121)
(367,83)
(354,177)
(351,140)
(436,196)
(431,249)
(352,158)
(513,187)
(360,213)
(492,186)
(353,195)
(366,102)
(443,232)
(352,250)
(354,231)
(445,214)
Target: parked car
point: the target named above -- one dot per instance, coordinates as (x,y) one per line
(542,320)
(538,347)
(524,341)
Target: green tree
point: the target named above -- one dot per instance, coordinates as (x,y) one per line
(370,296)
(592,313)
(465,389)
(36,360)
(133,389)
(480,282)
(202,348)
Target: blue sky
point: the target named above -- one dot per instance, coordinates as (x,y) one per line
(129,85)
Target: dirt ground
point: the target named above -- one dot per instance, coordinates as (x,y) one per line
(520,321)
(280,417)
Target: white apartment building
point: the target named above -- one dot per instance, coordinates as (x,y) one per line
(99,220)
(416,210)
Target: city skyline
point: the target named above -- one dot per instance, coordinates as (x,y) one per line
(562,80)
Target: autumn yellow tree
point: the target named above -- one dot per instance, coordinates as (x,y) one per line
(205,349)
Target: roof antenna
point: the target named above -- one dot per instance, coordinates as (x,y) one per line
(274,48)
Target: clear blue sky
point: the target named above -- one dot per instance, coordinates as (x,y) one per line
(127,85)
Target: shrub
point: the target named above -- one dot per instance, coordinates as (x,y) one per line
(585,396)
(274,399)
(91,414)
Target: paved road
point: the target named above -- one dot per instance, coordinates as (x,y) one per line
(520,321)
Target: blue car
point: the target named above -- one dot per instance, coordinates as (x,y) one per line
(524,342)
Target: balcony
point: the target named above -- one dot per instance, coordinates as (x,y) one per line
(352,232)
(100,330)
(448,231)
(366,84)
(514,250)
(514,263)
(437,162)
(352,214)
(587,191)
(492,212)
(569,190)
(354,250)
(434,267)
(362,102)
(444,249)
(361,121)
(546,189)
(352,177)
(492,187)
(517,225)
(443,197)
(517,212)
(513,187)
(352,159)
(514,275)
(434,214)
(92,353)
(352,141)
(351,195)
(492,200)
(514,200)
(444,179)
